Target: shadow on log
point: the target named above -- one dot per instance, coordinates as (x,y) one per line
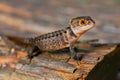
(108,68)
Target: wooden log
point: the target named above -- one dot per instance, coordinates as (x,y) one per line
(62,66)
(42,67)
(47,73)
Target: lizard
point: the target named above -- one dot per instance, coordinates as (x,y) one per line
(62,38)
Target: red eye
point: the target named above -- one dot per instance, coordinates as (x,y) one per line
(83,22)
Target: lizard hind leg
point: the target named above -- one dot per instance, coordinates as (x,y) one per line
(34,51)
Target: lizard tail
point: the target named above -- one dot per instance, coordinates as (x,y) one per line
(29,40)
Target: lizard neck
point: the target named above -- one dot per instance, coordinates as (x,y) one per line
(71,32)
(74,32)
(72,36)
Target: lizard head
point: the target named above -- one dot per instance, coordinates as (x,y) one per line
(80,25)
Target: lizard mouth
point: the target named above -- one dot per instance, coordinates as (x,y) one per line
(81,30)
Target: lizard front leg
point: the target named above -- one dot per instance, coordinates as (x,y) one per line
(74,55)
(69,39)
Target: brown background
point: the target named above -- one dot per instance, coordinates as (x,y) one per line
(49,15)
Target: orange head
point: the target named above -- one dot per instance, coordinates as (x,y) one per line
(80,25)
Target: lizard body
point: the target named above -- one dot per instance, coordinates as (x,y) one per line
(54,40)
(63,38)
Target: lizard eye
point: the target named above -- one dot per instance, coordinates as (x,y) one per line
(83,22)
